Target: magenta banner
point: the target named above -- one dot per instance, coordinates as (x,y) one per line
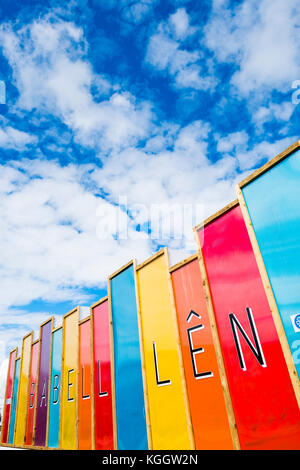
(43,381)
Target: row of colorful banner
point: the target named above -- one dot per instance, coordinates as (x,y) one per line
(202,355)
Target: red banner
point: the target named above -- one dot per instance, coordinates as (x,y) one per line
(32,393)
(102,377)
(8,395)
(85,389)
(265,406)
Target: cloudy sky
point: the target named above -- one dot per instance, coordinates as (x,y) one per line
(116,106)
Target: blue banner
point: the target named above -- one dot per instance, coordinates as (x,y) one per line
(14,402)
(129,392)
(55,384)
(273,204)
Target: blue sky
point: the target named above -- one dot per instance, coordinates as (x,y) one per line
(148,102)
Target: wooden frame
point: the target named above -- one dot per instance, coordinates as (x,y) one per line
(6,386)
(76,309)
(213,324)
(103,299)
(266,281)
(161,252)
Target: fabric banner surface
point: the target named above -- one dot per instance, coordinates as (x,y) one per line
(23,391)
(206,397)
(84,387)
(264,402)
(168,406)
(272,200)
(31,405)
(129,392)
(12,419)
(103,414)
(43,384)
(69,398)
(55,389)
(8,394)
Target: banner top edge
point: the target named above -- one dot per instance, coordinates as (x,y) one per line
(161,252)
(218,214)
(267,166)
(118,271)
(76,309)
(99,302)
(184,262)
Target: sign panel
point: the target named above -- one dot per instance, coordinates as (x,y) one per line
(128,376)
(43,384)
(55,389)
(31,405)
(103,413)
(85,389)
(69,399)
(23,391)
(168,405)
(12,419)
(206,396)
(8,395)
(264,402)
(272,200)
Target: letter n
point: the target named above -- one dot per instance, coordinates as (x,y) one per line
(255,348)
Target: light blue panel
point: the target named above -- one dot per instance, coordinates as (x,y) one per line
(130,405)
(14,402)
(55,382)
(273,202)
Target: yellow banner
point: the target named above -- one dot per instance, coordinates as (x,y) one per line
(69,398)
(20,428)
(168,406)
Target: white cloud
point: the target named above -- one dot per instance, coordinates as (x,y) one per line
(180,22)
(50,70)
(277,112)
(236,141)
(49,245)
(261,38)
(247,155)
(181,175)
(262,152)
(11,138)
(166,52)
(136,12)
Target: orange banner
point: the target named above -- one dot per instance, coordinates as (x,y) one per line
(206,398)
(85,389)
